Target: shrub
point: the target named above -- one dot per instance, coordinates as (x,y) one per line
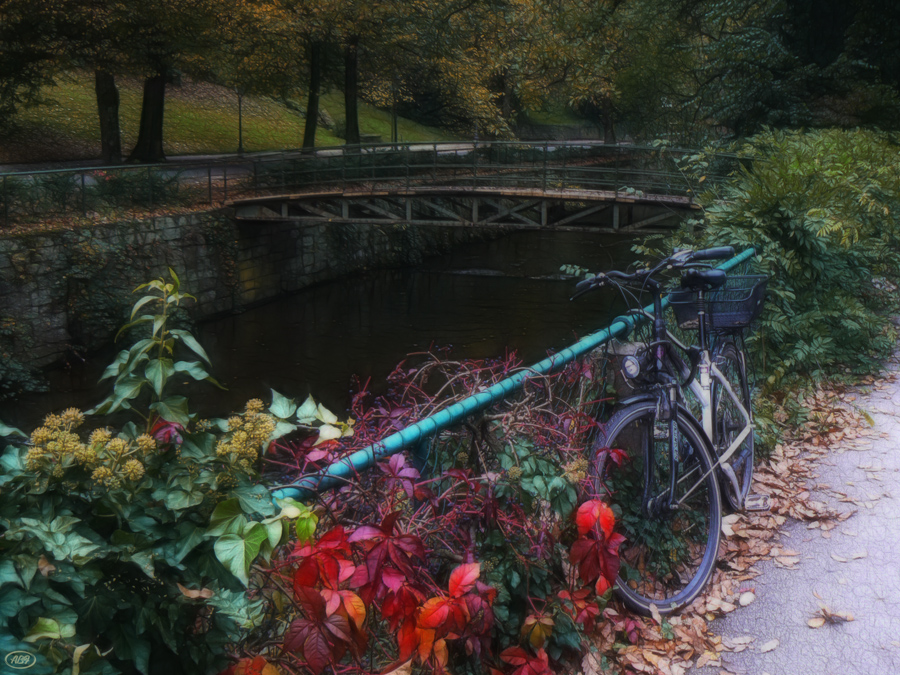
(106,564)
(821,209)
(468,554)
(136,187)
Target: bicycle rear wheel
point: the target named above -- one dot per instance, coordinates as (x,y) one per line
(668,555)
(729,422)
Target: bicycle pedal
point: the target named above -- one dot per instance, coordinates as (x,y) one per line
(757,503)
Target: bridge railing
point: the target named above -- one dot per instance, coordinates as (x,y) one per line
(111,192)
(445,425)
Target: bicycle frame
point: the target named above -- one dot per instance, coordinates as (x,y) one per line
(701,387)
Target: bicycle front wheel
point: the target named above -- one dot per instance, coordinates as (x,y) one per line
(729,422)
(670,546)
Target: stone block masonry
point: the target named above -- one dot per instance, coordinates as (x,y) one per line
(72,290)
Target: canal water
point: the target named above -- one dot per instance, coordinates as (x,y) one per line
(482,300)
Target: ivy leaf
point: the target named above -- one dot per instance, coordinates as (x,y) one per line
(282,406)
(328,433)
(306,413)
(11,431)
(49,628)
(237,552)
(227,518)
(324,415)
(173,409)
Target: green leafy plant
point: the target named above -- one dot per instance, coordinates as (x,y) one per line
(148,365)
(128,550)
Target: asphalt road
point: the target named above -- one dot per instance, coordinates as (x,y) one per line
(855,570)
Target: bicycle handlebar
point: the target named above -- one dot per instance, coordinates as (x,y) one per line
(678,259)
(718,253)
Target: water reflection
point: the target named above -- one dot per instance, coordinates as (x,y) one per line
(482,299)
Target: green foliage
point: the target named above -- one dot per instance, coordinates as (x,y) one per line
(107,561)
(820,209)
(15,376)
(147,366)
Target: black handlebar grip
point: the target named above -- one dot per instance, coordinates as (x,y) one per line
(718,253)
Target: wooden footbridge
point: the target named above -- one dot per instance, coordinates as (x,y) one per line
(512,184)
(523,185)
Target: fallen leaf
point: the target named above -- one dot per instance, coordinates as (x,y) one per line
(859,554)
(768,646)
(746,598)
(835,556)
(45,566)
(816,622)
(194,594)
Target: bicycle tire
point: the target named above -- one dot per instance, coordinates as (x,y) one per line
(728,422)
(667,558)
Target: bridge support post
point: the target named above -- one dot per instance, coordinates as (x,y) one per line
(475,210)
(615,215)
(544,213)
(408,210)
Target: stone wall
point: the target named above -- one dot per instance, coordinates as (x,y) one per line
(71,290)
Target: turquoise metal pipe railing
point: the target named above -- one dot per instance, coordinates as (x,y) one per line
(342,470)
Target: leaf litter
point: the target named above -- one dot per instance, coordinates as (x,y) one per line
(787,477)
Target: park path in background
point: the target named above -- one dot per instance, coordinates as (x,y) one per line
(826,599)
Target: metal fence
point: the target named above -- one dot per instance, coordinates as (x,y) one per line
(117,191)
(446,424)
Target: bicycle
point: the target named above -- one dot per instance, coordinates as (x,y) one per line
(663,470)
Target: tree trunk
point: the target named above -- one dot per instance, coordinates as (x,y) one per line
(149,147)
(351,90)
(312,102)
(108,111)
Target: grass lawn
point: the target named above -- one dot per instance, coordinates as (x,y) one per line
(200,118)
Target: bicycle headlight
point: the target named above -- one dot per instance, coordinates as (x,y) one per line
(631,367)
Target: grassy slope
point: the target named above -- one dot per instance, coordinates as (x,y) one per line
(199,118)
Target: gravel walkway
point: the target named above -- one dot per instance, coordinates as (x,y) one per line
(849,572)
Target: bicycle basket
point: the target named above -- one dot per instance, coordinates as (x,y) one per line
(732,307)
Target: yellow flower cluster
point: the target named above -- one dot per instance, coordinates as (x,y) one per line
(111,461)
(54,445)
(247,435)
(576,470)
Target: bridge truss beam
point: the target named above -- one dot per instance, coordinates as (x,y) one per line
(533,209)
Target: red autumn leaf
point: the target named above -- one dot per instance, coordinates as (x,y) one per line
(392,578)
(407,639)
(463,578)
(425,639)
(440,654)
(593,513)
(602,586)
(434,613)
(514,656)
(316,651)
(525,663)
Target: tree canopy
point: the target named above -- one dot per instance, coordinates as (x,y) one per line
(688,69)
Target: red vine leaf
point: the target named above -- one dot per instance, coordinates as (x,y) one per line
(463,578)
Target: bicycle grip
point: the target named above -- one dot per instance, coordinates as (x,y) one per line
(718,253)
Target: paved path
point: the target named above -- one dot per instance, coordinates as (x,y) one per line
(856,569)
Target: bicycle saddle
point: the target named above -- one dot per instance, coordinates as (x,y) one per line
(702,280)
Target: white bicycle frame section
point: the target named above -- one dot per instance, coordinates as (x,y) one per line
(701,387)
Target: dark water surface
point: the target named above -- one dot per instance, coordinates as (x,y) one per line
(483,299)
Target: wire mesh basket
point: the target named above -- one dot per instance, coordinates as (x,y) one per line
(734,306)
